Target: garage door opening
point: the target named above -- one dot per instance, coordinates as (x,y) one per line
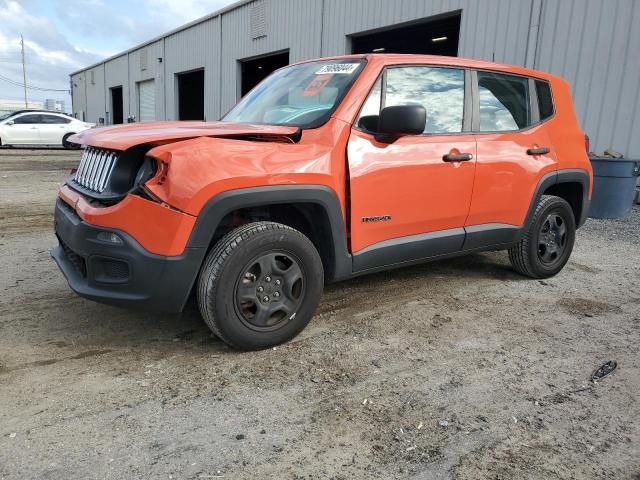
(146,101)
(116,105)
(191,95)
(429,37)
(254,71)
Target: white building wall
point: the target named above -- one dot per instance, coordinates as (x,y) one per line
(293,25)
(117,75)
(192,49)
(94,88)
(144,65)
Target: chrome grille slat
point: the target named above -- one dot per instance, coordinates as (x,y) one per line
(103,172)
(95,168)
(111,166)
(89,164)
(83,165)
(99,167)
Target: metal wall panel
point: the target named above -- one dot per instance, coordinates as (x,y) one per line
(191,49)
(117,74)
(143,66)
(295,25)
(496,30)
(593,44)
(342,18)
(490,29)
(78,95)
(94,84)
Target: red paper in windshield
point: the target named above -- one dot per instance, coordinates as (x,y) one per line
(317,85)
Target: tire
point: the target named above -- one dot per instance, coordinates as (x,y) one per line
(548,242)
(260,285)
(69,145)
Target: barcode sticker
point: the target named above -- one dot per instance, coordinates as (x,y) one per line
(344,68)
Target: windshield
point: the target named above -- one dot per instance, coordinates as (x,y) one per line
(302,95)
(5,116)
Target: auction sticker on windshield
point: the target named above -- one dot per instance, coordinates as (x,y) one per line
(316,85)
(344,68)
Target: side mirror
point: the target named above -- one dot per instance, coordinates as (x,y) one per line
(10,122)
(399,120)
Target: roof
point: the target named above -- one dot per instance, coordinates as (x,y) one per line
(38,110)
(197,21)
(440,60)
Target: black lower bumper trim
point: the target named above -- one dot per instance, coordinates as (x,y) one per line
(150,281)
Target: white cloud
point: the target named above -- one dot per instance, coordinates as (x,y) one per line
(62,36)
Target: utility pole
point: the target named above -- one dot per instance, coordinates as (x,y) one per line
(24,74)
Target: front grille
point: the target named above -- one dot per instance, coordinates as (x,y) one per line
(95,169)
(77,261)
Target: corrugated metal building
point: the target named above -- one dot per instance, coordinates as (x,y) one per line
(201,69)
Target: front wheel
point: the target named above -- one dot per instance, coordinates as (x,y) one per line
(548,242)
(260,285)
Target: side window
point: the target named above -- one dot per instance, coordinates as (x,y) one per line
(439,90)
(27,119)
(54,119)
(545,99)
(504,102)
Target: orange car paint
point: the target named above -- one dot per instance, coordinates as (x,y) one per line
(158,229)
(406,179)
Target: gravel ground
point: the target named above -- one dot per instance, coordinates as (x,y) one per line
(457,369)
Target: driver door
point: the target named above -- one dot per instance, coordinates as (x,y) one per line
(409,199)
(24,130)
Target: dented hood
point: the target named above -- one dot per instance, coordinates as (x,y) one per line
(122,137)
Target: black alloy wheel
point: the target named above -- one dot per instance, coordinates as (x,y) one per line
(270,291)
(552,239)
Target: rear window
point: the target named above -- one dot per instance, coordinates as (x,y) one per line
(545,100)
(504,102)
(54,119)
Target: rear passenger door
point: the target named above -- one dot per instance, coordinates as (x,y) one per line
(53,128)
(408,199)
(514,150)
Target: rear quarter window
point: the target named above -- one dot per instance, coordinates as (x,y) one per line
(545,99)
(504,102)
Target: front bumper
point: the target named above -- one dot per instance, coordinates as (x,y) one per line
(121,274)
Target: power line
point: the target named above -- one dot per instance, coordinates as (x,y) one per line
(31,87)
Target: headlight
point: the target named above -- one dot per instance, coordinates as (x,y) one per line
(146,171)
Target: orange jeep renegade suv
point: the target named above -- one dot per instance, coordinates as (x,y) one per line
(326,170)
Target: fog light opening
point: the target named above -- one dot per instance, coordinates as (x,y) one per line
(110,237)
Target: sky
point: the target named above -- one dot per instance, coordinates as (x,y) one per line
(62,36)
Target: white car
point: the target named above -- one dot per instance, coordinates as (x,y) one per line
(39,127)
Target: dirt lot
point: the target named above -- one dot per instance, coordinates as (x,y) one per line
(458,369)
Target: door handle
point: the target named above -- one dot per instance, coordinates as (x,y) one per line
(457,157)
(538,151)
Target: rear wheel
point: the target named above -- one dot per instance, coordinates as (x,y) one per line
(67,144)
(260,285)
(547,244)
